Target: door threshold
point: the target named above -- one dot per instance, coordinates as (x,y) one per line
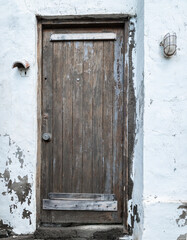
(86,232)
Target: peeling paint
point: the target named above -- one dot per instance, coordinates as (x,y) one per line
(19,154)
(13,206)
(27,214)
(22,188)
(182,220)
(131,110)
(134,217)
(5,175)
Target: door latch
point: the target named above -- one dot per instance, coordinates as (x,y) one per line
(46,137)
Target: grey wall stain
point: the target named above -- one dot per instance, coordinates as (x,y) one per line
(6,135)
(5,175)
(13,206)
(22,188)
(27,214)
(9,162)
(20,156)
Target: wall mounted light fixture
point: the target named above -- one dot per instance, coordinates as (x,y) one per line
(22,66)
(169,44)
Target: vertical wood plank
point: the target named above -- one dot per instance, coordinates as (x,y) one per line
(47,107)
(77,95)
(97,117)
(108,115)
(118,118)
(58,59)
(67,117)
(87,116)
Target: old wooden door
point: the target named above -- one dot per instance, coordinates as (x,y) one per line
(82,125)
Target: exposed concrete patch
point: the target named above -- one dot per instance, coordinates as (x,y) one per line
(134,217)
(182,220)
(27,214)
(182,237)
(19,153)
(5,230)
(5,175)
(13,206)
(22,188)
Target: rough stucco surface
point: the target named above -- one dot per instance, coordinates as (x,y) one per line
(165,122)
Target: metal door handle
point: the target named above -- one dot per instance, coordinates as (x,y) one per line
(46,137)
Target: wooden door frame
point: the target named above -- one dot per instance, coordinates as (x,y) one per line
(56,22)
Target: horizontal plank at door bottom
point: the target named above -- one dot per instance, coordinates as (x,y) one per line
(80,205)
(81,196)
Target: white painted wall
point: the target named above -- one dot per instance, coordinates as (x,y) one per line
(159,154)
(165,122)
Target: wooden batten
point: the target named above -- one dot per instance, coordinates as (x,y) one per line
(80,205)
(81,196)
(83,36)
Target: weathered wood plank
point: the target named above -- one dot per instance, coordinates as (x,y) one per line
(108,115)
(87,117)
(97,89)
(82,36)
(57,115)
(77,98)
(88,196)
(80,205)
(125,142)
(67,117)
(118,118)
(47,106)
